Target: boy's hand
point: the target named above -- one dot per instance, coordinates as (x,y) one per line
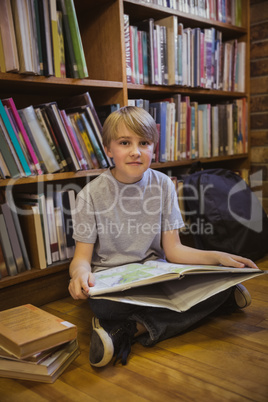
(79,285)
(231,260)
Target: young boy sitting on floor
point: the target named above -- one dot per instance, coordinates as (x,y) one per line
(130,214)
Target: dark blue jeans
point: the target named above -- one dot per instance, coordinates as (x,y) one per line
(161,323)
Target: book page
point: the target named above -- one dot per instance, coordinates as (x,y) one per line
(133,275)
(179,295)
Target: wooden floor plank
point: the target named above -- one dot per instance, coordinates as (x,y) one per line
(224,359)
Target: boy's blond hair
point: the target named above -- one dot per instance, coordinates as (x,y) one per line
(135,119)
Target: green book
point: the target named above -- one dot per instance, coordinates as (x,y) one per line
(71,63)
(76,39)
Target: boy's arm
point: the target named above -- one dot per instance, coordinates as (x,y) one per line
(179,254)
(80,271)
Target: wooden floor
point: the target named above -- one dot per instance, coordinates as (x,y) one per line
(224,359)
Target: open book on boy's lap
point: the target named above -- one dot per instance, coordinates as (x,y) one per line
(160,284)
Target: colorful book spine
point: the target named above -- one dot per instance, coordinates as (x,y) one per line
(14,140)
(74,140)
(90,150)
(20,139)
(9,102)
(98,152)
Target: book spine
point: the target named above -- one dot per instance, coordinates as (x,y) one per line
(36,19)
(9,43)
(80,140)
(54,246)
(20,139)
(6,247)
(62,131)
(10,103)
(13,237)
(55,38)
(90,150)
(71,64)
(39,137)
(76,39)
(74,140)
(98,152)
(2,55)
(14,140)
(127,48)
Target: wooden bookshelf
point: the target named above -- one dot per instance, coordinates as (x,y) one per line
(101,26)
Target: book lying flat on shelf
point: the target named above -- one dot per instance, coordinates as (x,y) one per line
(46,370)
(26,330)
(161,284)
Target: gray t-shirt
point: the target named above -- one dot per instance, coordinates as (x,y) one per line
(125,221)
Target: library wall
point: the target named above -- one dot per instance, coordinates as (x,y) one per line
(259,93)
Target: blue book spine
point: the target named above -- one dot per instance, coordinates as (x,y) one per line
(14,140)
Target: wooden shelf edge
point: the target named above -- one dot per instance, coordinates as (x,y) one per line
(97,172)
(67,82)
(186,90)
(33,274)
(50,177)
(187,162)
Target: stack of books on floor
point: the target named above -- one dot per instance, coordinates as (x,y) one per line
(35,345)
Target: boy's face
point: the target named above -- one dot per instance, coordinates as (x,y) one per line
(132,155)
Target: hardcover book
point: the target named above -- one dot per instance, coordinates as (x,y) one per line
(76,39)
(27,329)
(47,370)
(40,201)
(171,24)
(36,133)
(14,140)
(13,236)
(7,156)
(177,287)
(33,234)
(3,266)
(56,121)
(26,44)
(6,248)
(9,102)
(8,37)
(71,63)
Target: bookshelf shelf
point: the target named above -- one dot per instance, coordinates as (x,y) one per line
(24,81)
(58,177)
(195,92)
(50,177)
(101,25)
(138,9)
(203,161)
(33,274)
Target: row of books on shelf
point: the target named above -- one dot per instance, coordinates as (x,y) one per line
(35,345)
(228,11)
(41,37)
(190,130)
(164,52)
(46,139)
(36,231)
